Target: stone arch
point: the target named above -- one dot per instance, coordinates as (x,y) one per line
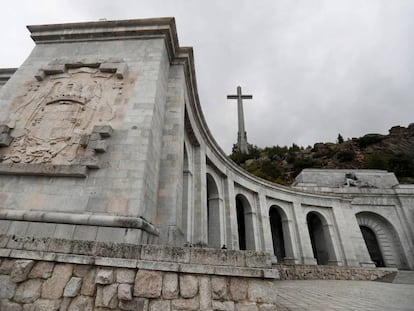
(213,213)
(244,223)
(387,238)
(321,240)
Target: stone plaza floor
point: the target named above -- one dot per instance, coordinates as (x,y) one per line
(321,295)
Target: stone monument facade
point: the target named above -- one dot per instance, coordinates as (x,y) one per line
(103,140)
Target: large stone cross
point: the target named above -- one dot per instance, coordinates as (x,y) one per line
(242,144)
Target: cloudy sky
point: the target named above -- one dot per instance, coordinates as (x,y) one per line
(315,68)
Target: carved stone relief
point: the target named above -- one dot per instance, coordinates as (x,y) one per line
(65,117)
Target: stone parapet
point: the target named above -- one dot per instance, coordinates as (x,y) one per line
(313,272)
(150,257)
(48,285)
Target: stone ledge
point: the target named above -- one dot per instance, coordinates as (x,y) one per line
(79,219)
(314,272)
(28,169)
(150,257)
(141,264)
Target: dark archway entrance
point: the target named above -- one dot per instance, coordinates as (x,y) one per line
(372,246)
(276,227)
(241,226)
(244,223)
(318,239)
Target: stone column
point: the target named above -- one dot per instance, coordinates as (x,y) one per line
(230,213)
(288,234)
(305,244)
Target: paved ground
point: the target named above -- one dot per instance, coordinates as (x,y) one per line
(344,295)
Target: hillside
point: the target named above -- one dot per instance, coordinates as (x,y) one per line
(393,152)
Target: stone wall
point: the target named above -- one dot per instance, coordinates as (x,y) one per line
(39,274)
(32,285)
(312,272)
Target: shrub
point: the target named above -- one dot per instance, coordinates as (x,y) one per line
(346,155)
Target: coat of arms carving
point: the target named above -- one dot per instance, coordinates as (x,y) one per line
(53,123)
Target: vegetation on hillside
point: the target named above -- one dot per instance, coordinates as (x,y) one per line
(393,152)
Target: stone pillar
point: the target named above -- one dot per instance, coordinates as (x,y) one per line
(332,246)
(214,222)
(305,244)
(230,213)
(288,234)
(200,196)
(266,232)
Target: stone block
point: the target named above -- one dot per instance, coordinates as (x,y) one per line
(61,246)
(7,287)
(4,129)
(165,253)
(44,305)
(257,259)
(73,287)
(20,270)
(41,270)
(28,291)
(105,276)
(157,305)
(136,304)
(261,291)
(188,286)
(6,266)
(205,293)
(246,306)
(209,256)
(5,140)
(219,287)
(267,307)
(238,288)
(125,275)
(81,270)
(100,146)
(170,286)
(104,131)
(125,292)
(222,305)
(53,287)
(85,233)
(89,285)
(186,304)
(81,303)
(148,284)
(107,296)
(7,305)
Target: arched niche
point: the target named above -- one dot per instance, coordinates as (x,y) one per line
(244,223)
(320,238)
(386,237)
(213,213)
(279,227)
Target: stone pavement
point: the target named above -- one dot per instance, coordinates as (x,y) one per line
(323,295)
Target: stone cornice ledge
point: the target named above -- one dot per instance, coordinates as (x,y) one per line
(148,257)
(110,30)
(79,219)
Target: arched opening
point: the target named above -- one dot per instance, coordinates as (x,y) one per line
(318,238)
(213,213)
(276,227)
(373,246)
(386,237)
(244,223)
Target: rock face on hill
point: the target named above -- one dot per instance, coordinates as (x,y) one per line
(393,152)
